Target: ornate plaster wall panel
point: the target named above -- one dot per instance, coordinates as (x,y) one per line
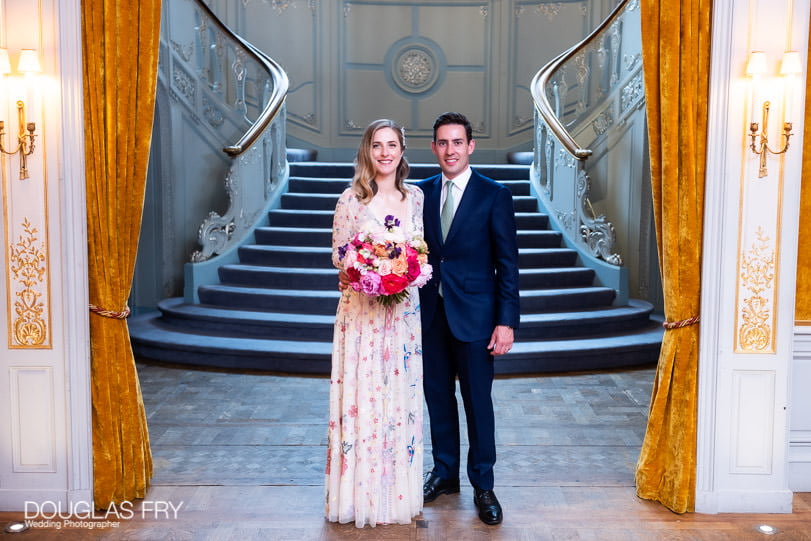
(26,241)
(293,32)
(416,67)
(757,277)
(539,31)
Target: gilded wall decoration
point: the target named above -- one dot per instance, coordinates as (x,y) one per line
(28,287)
(757,274)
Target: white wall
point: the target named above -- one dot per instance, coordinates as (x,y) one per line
(746,355)
(45,443)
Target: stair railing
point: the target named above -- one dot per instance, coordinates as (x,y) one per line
(579,97)
(239,81)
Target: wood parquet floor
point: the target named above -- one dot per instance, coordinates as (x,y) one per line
(242,456)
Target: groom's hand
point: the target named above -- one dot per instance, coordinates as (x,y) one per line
(501,341)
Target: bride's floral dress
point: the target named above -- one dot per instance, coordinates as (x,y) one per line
(375,445)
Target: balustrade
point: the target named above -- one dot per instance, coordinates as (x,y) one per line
(583,98)
(231,91)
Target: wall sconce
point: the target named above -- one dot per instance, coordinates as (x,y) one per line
(760,141)
(28,64)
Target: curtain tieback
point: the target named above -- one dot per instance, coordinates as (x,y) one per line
(669,325)
(124,314)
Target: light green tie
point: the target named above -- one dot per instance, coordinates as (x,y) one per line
(446,218)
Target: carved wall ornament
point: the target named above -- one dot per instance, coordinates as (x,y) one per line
(414,68)
(616,42)
(212,113)
(631,61)
(757,274)
(549,10)
(583,72)
(184,83)
(632,93)
(565,159)
(280,6)
(603,121)
(28,266)
(519,121)
(414,65)
(567,219)
(183,51)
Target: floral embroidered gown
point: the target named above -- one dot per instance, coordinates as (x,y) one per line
(375,446)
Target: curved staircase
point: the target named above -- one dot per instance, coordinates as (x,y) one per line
(274,310)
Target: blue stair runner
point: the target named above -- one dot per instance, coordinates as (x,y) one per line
(274,310)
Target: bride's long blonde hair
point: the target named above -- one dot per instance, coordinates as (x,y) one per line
(363,183)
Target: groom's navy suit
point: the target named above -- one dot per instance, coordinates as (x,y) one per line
(477,265)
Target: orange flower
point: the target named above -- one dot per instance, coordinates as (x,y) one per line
(399,266)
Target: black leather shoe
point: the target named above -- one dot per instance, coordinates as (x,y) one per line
(435,485)
(488,506)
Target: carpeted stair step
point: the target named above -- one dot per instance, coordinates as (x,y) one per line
(310,201)
(525,203)
(296,301)
(546,257)
(161,342)
(157,341)
(518,187)
(294,256)
(528,220)
(590,352)
(318,185)
(604,320)
(565,299)
(301,218)
(279,277)
(543,238)
(232,322)
(555,278)
(294,236)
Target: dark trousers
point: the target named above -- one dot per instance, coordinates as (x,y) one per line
(445,358)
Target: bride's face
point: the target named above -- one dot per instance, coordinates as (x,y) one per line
(386,152)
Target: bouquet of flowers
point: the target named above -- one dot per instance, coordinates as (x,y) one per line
(384,263)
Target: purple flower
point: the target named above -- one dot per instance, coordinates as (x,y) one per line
(391,222)
(342,252)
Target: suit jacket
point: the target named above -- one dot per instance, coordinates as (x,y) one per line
(478,261)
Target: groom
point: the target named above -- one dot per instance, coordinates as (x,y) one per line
(469,310)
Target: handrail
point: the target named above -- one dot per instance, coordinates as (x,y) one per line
(542,77)
(277,98)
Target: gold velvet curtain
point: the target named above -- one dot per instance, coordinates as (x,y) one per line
(120,62)
(676,61)
(802,310)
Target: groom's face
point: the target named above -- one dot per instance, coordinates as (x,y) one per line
(452,149)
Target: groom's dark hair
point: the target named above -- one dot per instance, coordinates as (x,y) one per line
(454,118)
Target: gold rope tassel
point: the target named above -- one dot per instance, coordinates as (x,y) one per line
(124,314)
(670,325)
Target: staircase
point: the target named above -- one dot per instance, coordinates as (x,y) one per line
(275,310)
